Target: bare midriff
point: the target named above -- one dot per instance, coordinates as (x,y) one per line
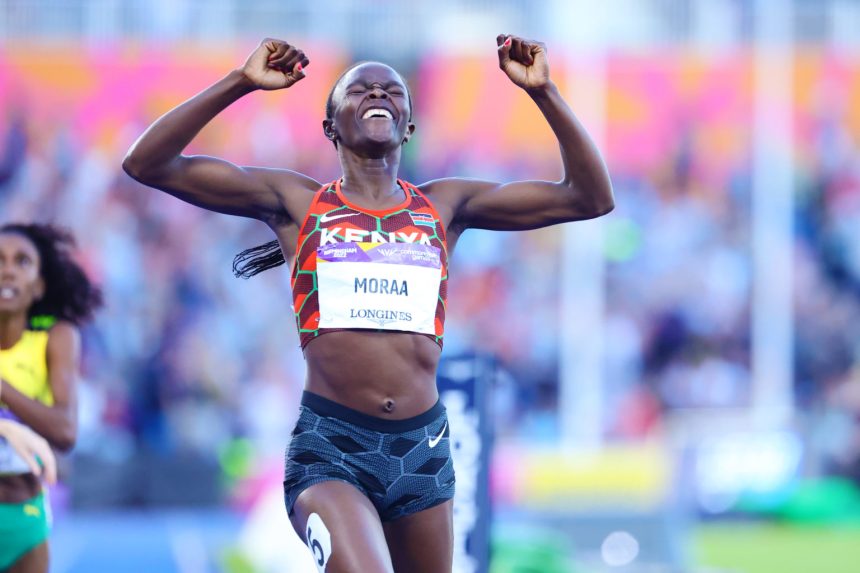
(19,488)
(390,375)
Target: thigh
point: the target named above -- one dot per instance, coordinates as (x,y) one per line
(422,542)
(342,529)
(34,561)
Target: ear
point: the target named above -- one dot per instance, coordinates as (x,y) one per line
(410,129)
(328,129)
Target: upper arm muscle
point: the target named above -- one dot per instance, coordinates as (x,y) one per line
(221,186)
(515,206)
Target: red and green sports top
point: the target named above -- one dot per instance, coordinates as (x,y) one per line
(332,218)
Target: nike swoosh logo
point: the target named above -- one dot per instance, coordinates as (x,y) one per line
(434,441)
(325,218)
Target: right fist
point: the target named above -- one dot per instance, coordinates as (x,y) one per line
(275,65)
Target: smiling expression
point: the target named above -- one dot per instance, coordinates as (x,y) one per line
(371,110)
(20,282)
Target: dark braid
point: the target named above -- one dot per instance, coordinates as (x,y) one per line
(258,259)
(69,294)
(261,258)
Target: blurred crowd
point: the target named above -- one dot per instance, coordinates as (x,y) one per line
(186,358)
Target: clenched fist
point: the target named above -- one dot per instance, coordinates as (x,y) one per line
(524,61)
(275,65)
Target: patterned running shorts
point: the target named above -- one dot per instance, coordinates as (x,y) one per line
(402,466)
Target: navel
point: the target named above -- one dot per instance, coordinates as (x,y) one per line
(388,406)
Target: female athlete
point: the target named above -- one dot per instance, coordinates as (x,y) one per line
(369,478)
(44,297)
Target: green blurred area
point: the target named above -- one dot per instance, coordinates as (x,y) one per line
(530,550)
(777,548)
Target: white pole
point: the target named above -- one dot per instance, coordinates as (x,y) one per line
(579,26)
(772,206)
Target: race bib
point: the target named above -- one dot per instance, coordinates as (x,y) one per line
(389,286)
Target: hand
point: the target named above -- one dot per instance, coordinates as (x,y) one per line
(524,61)
(275,65)
(30,445)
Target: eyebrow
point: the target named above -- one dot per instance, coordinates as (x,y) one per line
(365,83)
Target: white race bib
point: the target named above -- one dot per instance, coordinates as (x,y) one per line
(389,286)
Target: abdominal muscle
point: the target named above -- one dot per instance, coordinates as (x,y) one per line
(389,375)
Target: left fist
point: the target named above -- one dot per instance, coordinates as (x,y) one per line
(524,61)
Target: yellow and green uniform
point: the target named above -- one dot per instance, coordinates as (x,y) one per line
(24,366)
(23,526)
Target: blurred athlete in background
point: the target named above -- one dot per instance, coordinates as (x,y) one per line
(369,478)
(44,297)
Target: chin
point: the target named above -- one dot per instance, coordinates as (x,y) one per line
(7,313)
(378,148)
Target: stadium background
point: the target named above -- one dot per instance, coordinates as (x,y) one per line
(682,373)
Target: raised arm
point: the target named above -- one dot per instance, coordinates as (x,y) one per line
(584,192)
(156,157)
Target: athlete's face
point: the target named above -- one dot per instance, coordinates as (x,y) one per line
(371,110)
(20,282)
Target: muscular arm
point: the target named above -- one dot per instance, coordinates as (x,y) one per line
(585,190)
(58,423)
(156,157)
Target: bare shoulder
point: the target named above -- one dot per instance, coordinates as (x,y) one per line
(286,182)
(64,344)
(64,334)
(448,194)
(448,187)
(293,189)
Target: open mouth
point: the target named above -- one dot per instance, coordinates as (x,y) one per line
(8,293)
(377,112)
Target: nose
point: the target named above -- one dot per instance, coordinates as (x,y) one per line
(376,91)
(7,269)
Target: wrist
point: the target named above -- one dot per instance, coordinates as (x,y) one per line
(240,82)
(543,91)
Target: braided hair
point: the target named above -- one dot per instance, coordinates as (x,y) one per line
(69,293)
(263,257)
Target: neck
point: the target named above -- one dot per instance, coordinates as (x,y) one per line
(374,178)
(12,327)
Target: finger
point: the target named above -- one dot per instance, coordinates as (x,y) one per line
(276,49)
(297,73)
(291,62)
(517,51)
(280,60)
(504,50)
(49,462)
(528,58)
(27,455)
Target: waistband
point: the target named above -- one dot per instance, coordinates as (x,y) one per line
(327,408)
